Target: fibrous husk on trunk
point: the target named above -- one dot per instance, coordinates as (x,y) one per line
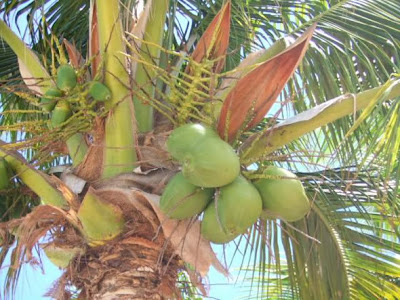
(144,261)
(129,269)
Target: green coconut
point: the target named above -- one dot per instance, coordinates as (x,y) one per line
(212,163)
(61,113)
(238,206)
(184,138)
(181,199)
(211,227)
(49,99)
(283,195)
(99,91)
(66,78)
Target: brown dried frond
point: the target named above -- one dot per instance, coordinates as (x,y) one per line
(35,226)
(185,237)
(58,290)
(28,231)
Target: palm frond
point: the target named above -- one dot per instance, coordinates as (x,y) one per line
(346,248)
(353,54)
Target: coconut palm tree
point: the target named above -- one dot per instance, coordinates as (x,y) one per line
(89,101)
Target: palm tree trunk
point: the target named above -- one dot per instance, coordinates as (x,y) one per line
(139,264)
(134,268)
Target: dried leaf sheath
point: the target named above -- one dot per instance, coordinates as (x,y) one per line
(74,55)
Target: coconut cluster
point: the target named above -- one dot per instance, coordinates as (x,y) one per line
(210,181)
(55,100)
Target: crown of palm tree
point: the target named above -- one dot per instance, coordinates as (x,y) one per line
(311,87)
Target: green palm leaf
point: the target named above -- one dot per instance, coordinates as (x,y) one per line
(346,248)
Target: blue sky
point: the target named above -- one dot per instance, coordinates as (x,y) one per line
(34,282)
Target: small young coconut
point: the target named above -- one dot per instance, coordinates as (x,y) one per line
(66,78)
(49,99)
(185,137)
(61,113)
(181,199)
(99,91)
(283,195)
(211,163)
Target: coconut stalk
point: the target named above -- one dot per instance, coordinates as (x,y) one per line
(145,77)
(61,255)
(266,142)
(101,221)
(34,179)
(119,153)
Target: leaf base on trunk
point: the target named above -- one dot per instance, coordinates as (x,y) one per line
(134,268)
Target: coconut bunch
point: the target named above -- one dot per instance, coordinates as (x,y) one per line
(57,100)
(211,181)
